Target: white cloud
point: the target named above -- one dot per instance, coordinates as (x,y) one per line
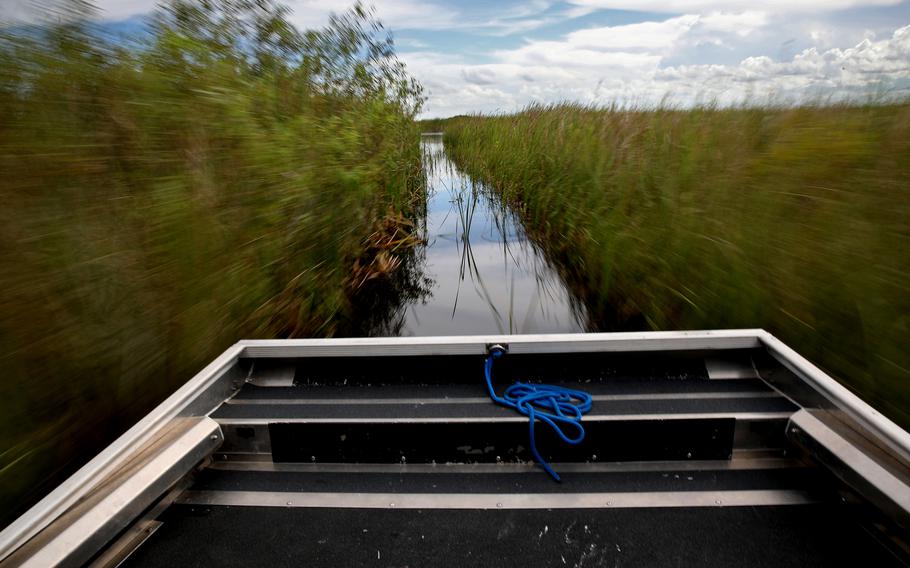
(561,70)
(647,35)
(569,55)
(123,9)
(13,11)
(306,14)
(811,70)
(757,47)
(31,10)
(702,6)
(741,24)
(396,14)
(632,46)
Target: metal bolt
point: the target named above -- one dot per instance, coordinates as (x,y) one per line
(718,501)
(290,503)
(392,505)
(213,437)
(609,503)
(499,505)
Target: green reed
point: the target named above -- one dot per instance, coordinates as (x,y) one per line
(213,178)
(790,219)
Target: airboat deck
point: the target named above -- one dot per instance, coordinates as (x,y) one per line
(703,448)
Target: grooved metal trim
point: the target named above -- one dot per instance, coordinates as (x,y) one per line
(749,416)
(80,532)
(889,433)
(643,499)
(486,399)
(509,468)
(117,454)
(477,345)
(851,458)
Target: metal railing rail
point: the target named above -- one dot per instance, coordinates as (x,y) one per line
(118,453)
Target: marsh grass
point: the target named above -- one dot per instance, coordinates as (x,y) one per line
(790,219)
(214,179)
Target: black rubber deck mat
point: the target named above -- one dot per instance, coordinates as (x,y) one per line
(798,536)
(533,481)
(466,442)
(548,367)
(630,386)
(491,410)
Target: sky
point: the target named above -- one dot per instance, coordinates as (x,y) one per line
(476,56)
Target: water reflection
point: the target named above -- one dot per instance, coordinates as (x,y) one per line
(488,277)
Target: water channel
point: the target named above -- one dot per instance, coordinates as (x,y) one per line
(485,275)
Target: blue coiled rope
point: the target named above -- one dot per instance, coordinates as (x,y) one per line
(551,404)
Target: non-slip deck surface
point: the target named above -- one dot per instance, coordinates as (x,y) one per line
(467,369)
(407,462)
(612,397)
(527,481)
(445,441)
(614,386)
(798,536)
(455,410)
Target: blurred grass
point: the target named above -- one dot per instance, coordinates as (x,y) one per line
(166,195)
(795,220)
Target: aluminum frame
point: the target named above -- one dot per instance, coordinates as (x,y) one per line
(189,400)
(218,380)
(98,518)
(497,501)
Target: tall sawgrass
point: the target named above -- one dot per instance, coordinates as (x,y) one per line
(794,220)
(164,195)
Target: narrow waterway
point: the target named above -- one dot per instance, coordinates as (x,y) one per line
(485,275)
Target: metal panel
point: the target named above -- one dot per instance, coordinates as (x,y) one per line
(477,345)
(852,465)
(878,426)
(272,376)
(228,422)
(498,501)
(613,440)
(78,534)
(199,396)
(740,461)
(486,399)
(126,545)
(723,368)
